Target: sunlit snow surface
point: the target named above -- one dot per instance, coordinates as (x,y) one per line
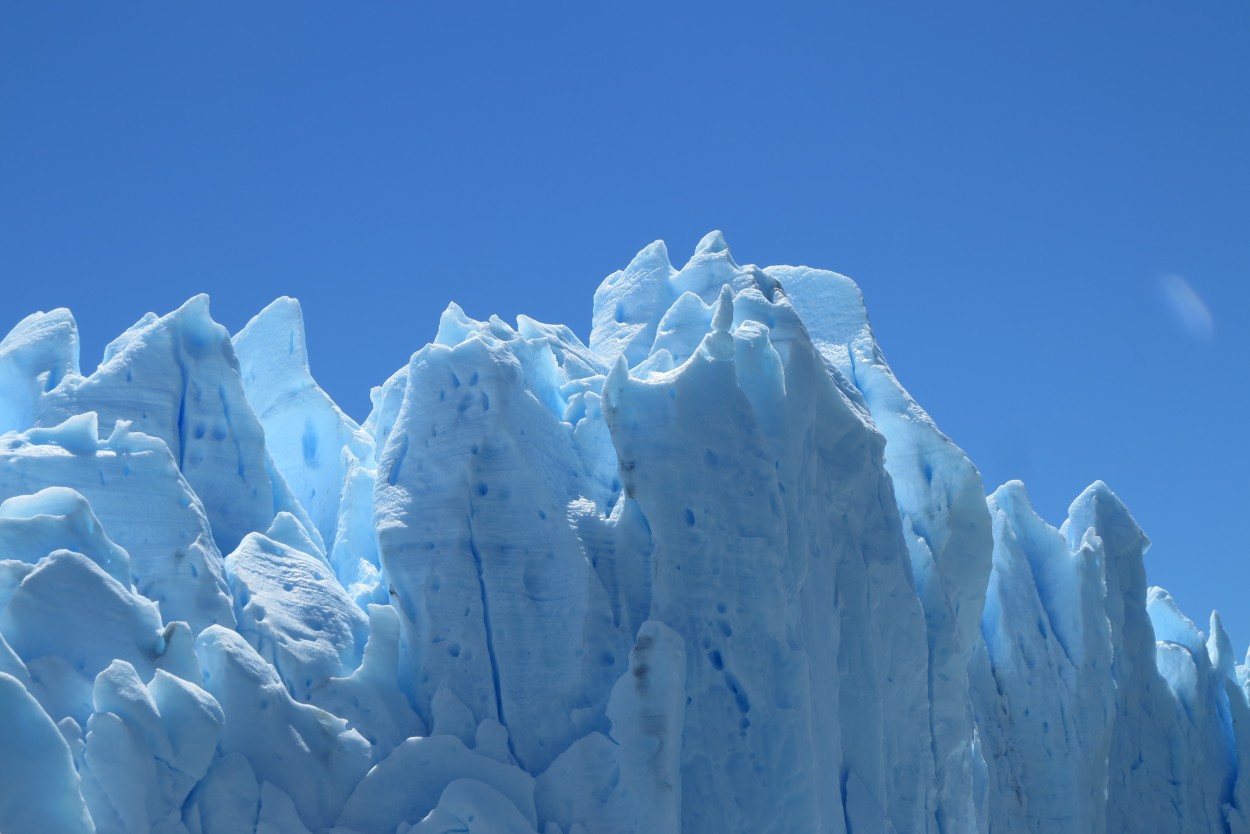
(714,572)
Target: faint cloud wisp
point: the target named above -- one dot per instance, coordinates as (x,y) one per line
(1188,307)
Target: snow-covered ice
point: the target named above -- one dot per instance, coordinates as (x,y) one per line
(715,571)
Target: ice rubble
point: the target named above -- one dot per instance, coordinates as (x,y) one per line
(714,572)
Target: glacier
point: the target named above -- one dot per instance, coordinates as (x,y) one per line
(714,571)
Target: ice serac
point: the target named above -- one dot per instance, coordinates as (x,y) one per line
(145,749)
(58,518)
(629,304)
(779,556)
(354,554)
(39,788)
(370,698)
(941,500)
(310,754)
(497,602)
(714,572)
(1046,717)
(34,357)
(1146,795)
(1190,666)
(67,619)
(292,609)
(305,431)
(135,490)
(177,378)
(637,308)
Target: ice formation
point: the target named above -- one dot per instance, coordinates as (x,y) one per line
(715,571)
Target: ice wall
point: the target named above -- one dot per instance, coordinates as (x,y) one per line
(715,571)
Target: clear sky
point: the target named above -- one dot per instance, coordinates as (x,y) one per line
(1046,205)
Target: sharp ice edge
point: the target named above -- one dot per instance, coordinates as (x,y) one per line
(714,572)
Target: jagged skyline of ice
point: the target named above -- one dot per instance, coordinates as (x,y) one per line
(929,155)
(1003,449)
(715,570)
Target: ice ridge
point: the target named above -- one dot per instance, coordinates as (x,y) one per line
(715,571)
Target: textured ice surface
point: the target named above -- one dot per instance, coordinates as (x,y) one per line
(305,432)
(715,572)
(143,503)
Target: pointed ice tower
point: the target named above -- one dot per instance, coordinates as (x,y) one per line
(941,500)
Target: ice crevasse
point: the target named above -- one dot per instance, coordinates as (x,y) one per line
(715,571)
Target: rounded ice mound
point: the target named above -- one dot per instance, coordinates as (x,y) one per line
(58,518)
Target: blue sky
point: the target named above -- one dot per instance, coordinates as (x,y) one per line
(1039,201)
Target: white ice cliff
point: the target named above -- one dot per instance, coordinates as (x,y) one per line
(714,572)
